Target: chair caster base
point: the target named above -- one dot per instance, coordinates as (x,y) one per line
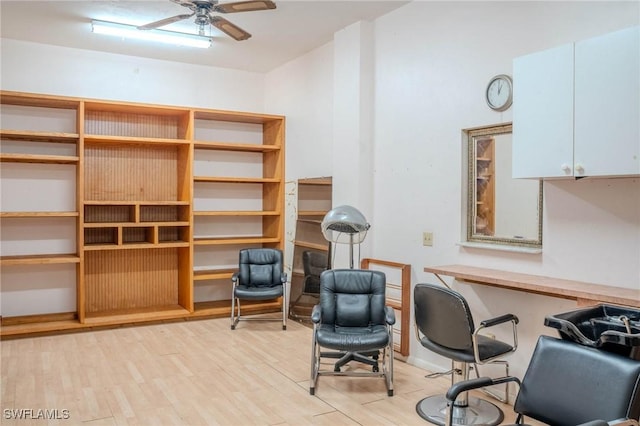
(284,327)
(478,412)
(312,391)
(233,327)
(390,392)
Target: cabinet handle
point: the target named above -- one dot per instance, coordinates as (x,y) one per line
(566,169)
(579,168)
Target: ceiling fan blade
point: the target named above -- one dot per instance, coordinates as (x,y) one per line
(229,29)
(244,6)
(183,2)
(165,21)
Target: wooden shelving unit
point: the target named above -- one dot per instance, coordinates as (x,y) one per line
(485,186)
(158,213)
(314,201)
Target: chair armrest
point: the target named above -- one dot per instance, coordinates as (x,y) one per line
(490,323)
(389,315)
(316,314)
(481,382)
(235,276)
(283,277)
(500,320)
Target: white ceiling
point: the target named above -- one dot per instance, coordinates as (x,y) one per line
(280,35)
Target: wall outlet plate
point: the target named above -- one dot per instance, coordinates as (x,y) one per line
(427,239)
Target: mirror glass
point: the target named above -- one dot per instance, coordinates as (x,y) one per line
(500,209)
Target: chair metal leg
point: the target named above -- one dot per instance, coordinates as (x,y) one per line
(235,318)
(233,312)
(315,363)
(466,410)
(284,307)
(388,371)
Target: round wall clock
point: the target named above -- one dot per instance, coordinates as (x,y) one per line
(499,92)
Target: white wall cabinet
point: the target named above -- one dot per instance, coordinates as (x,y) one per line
(577,109)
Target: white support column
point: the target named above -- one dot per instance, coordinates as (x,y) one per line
(353,126)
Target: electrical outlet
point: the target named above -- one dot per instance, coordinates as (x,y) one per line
(427,239)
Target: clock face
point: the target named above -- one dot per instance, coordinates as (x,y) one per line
(499,93)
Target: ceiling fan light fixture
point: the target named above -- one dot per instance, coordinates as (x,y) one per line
(161,36)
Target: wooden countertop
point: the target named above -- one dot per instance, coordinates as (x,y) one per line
(584,293)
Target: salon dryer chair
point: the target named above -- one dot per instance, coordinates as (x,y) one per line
(354,324)
(444,325)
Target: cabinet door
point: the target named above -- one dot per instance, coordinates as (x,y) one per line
(543,114)
(607,104)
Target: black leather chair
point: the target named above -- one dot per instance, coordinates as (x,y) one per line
(444,325)
(353,322)
(260,276)
(569,384)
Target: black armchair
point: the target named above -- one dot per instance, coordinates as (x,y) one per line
(352,321)
(444,325)
(260,276)
(568,384)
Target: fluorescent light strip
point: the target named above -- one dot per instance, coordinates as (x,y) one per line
(160,36)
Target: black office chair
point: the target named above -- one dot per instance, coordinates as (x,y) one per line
(569,384)
(260,276)
(352,321)
(444,325)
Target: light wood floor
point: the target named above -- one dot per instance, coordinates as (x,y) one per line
(198,373)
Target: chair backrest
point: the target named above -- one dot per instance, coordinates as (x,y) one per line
(443,316)
(260,267)
(313,263)
(352,297)
(567,383)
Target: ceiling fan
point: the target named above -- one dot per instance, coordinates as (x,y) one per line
(203,9)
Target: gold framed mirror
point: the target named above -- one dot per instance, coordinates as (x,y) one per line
(500,210)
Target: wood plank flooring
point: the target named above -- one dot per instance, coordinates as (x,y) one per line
(196,373)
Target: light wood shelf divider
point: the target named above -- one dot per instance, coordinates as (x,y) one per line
(153,217)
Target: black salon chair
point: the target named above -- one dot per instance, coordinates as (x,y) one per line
(260,276)
(353,322)
(569,384)
(444,325)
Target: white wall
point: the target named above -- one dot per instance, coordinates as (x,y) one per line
(39,68)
